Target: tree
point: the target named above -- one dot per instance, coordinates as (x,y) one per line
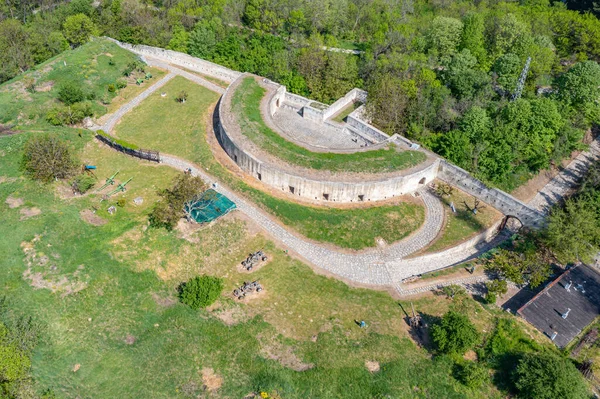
(167,212)
(78,29)
(46,157)
(182,97)
(462,77)
(507,69)
(444,35)
(201,291)
(495,288)
(473,38)
(15,53)
(523,265)
(572,232)
(454,333)
(179,41)
(579,86)
(548,376)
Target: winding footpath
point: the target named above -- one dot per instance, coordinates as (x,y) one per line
(379,267)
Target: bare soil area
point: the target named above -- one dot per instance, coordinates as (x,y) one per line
(14,202)
(90,217)
(27,213)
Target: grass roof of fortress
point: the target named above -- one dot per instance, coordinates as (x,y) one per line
(246,105)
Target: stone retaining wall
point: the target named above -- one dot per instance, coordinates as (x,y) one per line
(351,97)
(356,123)
(505,203)
(323,190)
(183,60)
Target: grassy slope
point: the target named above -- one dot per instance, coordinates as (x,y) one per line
(179,129)
(463,224)
(127,267)
(246,104)
(87,65)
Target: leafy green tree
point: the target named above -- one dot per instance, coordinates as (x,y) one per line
(201,42)
(579,86)
(201,291)
(507,69)
(524,265)
(572,232)
(71,92)
(462,77)
(444,35)
(495,288)
(78,29)
(179,41)
(454,333)
(46,157)
(170,209)
(15,55)
(548,376)
(473,38)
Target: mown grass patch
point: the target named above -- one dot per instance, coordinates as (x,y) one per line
(162,124)
(246,105)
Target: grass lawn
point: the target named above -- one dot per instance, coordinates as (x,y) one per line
(246,105)
(463,224)
(340,117)
(179,129)
(125,320)
(88,65)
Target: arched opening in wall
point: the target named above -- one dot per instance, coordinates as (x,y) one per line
(422,181)
(510,222)
(326,197)
(259,176)
(292,189)
(361,197)
(235,158)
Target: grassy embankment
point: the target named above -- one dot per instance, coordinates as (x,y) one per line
(246,105)
(180,129)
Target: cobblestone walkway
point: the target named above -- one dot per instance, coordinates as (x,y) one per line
(381,267)
(190,76)
(566,180)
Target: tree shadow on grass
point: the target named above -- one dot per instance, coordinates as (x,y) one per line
(421,333)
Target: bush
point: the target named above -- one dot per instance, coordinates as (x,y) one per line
(181,97)
(121,84)
(71,93)
(82,183)
(201,291)
(454,333)
(69,115)
(548,376)
(121,202)
(46,157)
(471,374)
(111,88)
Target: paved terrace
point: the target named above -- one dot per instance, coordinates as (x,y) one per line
(377,268)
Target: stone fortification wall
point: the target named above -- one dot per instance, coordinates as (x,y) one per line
(352,96)
(277,100)
(183,60)
(500,200)
(355,122)
(324,190)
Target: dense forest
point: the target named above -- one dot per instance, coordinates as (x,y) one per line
(441,72)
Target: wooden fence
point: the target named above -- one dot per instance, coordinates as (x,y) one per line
(149,155)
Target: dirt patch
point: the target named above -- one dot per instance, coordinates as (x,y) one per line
(372,366)
(76,367)
(283,354)
(130,339)
(27,213)
(4,179)
(232,316)
(14,202)
(46,86)
(42,273)
(90,217)
(162,301)
(211,381)
(187,230)
(470,355)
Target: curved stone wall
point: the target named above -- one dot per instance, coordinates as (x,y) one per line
(310,188)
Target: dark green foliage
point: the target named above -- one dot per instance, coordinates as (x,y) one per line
(121,84)
(495,288)
(525,264)
(167,212)
(111,88)
(454,333)
(201,291)
(70,114)
(46,157)
(548,376)
(115,140)
(71,93)
(471,374)
(83,183)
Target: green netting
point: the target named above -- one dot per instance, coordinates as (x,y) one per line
(210,206)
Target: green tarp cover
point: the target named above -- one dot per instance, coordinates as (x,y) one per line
(210,206)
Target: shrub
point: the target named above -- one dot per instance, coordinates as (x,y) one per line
(82,183)
(121,84)
(201,291)
(548,376)
(181,97)
(471,374)
(47,157)
(121,202)
(71,93)
(111,88)
(69,115)
(454,333)
(111,62)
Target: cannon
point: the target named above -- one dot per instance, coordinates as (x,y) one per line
(253,259)
(247,288)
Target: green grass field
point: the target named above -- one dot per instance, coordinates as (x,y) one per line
(127,337)
(340,117)
(179,129)
(88,65)
(246,105)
